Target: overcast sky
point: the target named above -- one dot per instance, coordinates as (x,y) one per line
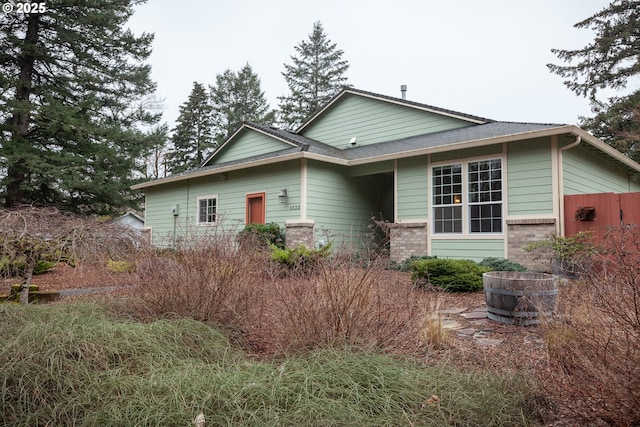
(486,58)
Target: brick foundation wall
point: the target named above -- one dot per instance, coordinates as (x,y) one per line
(521,232)
(299,233)
(407,239)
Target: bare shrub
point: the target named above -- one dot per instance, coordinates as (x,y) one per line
(594,345)
(29,235)
(345,299)
(206,277)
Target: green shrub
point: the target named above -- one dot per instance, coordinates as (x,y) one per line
(270,234)
(452,275)
(16,267)
(44,266)
(501,264)
(120,266)
(300,256)
(11,267)
(406,264)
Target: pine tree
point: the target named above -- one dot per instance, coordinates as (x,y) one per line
(315,76)
(71,80)
(609,62)
(618,124)
(237,98)
(192,137)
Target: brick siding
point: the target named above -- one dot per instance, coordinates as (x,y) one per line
(521,232)
(299,233)
(407,239)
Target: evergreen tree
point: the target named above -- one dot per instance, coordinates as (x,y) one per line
(71,80)
(192,137)
(315,76)
(236,98)
(609,62)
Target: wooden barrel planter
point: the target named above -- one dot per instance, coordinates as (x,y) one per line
(519,298)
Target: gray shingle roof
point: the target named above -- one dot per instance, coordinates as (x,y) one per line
(414,143)
(445,138)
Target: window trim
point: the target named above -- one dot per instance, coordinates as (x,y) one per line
(466,206)
(206,223)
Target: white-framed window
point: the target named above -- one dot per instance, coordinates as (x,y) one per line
(478,209)
(207,210)
(485,196)
(447,198)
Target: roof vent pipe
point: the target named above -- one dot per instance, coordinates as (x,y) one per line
(403,89)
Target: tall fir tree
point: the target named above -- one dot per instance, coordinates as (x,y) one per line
(192,137)
(72,77)
(237,98)
(609,62)
(317,73)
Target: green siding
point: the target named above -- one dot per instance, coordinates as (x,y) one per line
(338,204)
(585,172)
(248,144)
(231,194)
(158,216)
(466,153)
(372,121)
(413,188)
(529,177)
(474,249)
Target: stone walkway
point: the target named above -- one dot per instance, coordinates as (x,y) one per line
(475,324)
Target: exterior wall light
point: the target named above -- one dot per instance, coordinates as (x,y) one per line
(282,197)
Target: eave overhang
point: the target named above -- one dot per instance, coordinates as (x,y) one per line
(557,130)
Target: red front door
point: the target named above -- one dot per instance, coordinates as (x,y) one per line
(255,208)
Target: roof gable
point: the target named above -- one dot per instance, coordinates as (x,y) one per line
(249,140)
(372,118)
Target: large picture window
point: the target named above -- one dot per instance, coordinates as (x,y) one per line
(207,210)
(479,208)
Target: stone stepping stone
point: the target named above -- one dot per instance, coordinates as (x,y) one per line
(466,332)
(454,310)
(488,341)
(474,315)
(452,324)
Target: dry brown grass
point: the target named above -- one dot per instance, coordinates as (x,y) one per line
(594,344)
(432,331)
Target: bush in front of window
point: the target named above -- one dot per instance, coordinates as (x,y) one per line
(452,275)
(501,264)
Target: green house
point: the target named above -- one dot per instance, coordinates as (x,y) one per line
(449,184)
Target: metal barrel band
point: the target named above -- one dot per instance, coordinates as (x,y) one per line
(525,314)
(521,293)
